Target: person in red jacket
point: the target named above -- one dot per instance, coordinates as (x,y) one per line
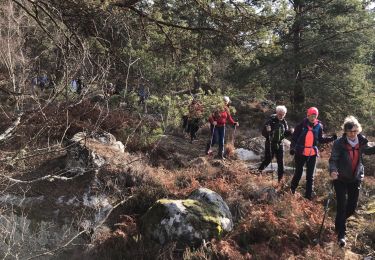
(218,120)
(347,172)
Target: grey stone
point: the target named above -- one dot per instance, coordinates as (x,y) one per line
(204,215)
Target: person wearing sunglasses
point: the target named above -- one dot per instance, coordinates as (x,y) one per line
(347,172)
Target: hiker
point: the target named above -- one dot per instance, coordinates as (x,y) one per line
(43,82)
(52,83)
(143,94)
(218,120)
(80,85)
(34,84)
(40,81)
(275,130)
(109,89)
(347,172)
(194,118)
(307,135)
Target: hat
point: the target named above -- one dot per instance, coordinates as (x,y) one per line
(226,99)
(312,111)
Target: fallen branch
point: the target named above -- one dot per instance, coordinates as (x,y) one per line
(9,131)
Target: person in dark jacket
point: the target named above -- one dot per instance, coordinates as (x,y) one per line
(275,130)
(347,172)
(194,118)
(218,120)
(80,85)
(307,135)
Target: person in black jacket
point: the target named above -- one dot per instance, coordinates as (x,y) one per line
(275,130)
(304,146)
(347,172)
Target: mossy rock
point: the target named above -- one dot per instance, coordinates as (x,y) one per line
(187,221)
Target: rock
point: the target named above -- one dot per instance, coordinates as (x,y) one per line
(256,144)
(204,215)
(211,197)
(92,151)
(246,155)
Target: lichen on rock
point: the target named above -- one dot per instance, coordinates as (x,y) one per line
(204,215)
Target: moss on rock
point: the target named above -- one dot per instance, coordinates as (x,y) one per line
(185,221)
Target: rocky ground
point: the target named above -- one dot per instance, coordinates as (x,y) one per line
(63,207)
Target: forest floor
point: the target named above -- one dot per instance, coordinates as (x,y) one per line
(270,222)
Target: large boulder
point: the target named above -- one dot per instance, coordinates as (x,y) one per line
(92,151)
(204,215)
(256,144)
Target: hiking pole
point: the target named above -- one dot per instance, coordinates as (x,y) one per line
(212,139)
(234,133)
(330,196)
(269,137)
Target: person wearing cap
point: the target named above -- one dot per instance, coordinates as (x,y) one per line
(307,135)
(218,120)
(347,172)
(194,117)
(275,130)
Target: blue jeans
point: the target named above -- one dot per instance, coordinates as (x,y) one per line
(218,137)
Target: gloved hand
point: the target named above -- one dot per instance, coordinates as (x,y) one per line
(334,137)
(292,152)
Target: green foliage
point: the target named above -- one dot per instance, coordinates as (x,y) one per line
(246,46)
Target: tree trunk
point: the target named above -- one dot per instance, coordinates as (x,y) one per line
(298,89)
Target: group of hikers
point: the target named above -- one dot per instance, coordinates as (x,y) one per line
(345,163)
(218,119)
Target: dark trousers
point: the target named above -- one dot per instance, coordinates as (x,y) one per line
(185,123)
(275,149)
(347,198)
(300,161)
(193,127)
(218,137)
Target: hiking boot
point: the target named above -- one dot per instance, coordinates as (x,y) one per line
(310,196)
(342,242)
(293,191)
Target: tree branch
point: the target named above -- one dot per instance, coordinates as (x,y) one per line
(9,131)
(147,16)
